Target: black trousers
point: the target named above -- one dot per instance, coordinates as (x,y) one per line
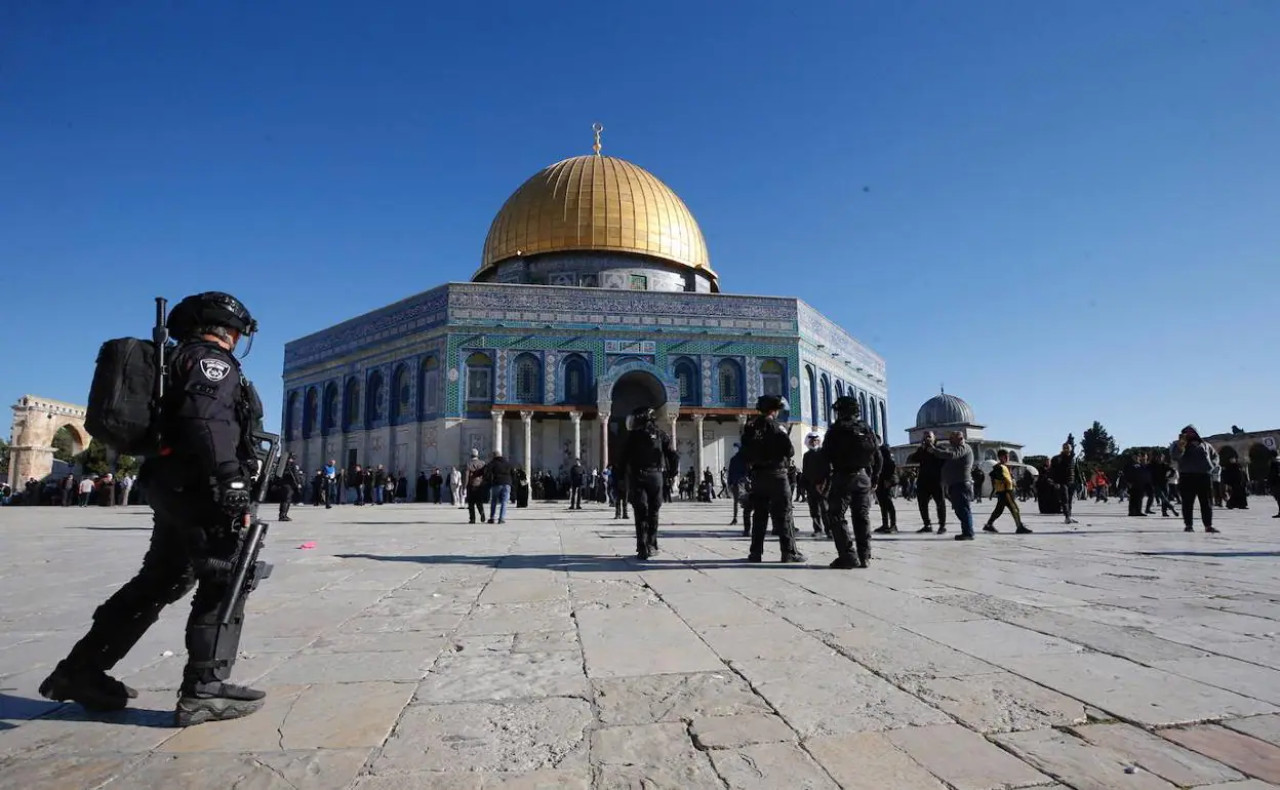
(646,502)
(817,509)
(888,512)
(771,498)
(1137,498)
(1193,486)
(850,494)
(286,500)
(1066,495)
(575,495)
(477,496)
(927,492)
(185,532)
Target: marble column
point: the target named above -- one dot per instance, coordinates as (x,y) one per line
(576,418)
(496,416)
(526,417)
(603,418)
(697,424)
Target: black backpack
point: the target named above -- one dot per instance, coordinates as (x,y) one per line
(862,447)
(122,413)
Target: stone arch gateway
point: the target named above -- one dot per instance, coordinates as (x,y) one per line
(35,422)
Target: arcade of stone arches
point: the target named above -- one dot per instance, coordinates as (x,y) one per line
(399,416)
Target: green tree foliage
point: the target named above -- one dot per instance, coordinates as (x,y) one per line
(1038,461)
(64,442)
(4,460)
(97,461)
(1097,445)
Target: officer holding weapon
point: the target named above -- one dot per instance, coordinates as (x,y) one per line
(854,454)
(203,485)
(767,450)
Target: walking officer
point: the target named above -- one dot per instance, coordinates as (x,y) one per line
(290,481)
(199,486)
(854,454)
(768,451)
(646,455)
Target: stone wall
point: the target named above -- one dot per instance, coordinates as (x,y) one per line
(35,422)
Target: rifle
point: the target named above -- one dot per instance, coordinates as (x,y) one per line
(248,570)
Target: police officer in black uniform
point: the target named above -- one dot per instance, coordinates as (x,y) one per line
(854,454)
(768,451)
(290,481)
(199,486)
(646,454)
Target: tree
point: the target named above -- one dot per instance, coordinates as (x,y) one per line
(96,461)
(1097,444)
(63,444)
(4,460)
(1038,461)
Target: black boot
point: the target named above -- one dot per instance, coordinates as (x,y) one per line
(93,689)
(651,539)
(863,546)
(215,701)
(642,543)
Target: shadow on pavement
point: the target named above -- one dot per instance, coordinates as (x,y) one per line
(25,708)
(582,563)
(116,529)
(1222,554)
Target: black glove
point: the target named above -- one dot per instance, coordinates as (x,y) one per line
(233,497)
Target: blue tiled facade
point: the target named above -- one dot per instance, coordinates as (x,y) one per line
(396,376)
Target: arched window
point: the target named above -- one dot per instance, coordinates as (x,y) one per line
(812,385)
(729,374)
(528,372)
(429,393)
(687,379)
(373,406)
(351,405)
(1013,456)
(862,404)
(290,414)
(576,378)
(310,410)
(479,378)
(771,375)
(839,389)
(884,418)
(329,414)
(824,387)
(873,418)
(401,393)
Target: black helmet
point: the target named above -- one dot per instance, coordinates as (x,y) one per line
(640,417)
(768,403)
(846,404)
(211,308)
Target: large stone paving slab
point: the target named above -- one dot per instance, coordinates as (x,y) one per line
(410,650)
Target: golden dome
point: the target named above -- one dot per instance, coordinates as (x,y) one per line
(596,203)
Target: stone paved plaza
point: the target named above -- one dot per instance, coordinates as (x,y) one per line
(411,650)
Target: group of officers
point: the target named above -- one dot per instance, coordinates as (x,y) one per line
(844,475)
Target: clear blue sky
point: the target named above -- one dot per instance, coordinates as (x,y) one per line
(1065,211)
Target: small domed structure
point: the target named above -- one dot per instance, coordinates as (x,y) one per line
(942,410)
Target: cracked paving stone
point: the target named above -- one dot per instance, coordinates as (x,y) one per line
(771,765)
(998,702)
(518,737)
(460,677)
(322,769)
(654,698)
(650,755)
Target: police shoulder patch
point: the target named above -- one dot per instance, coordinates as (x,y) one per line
(214,369)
